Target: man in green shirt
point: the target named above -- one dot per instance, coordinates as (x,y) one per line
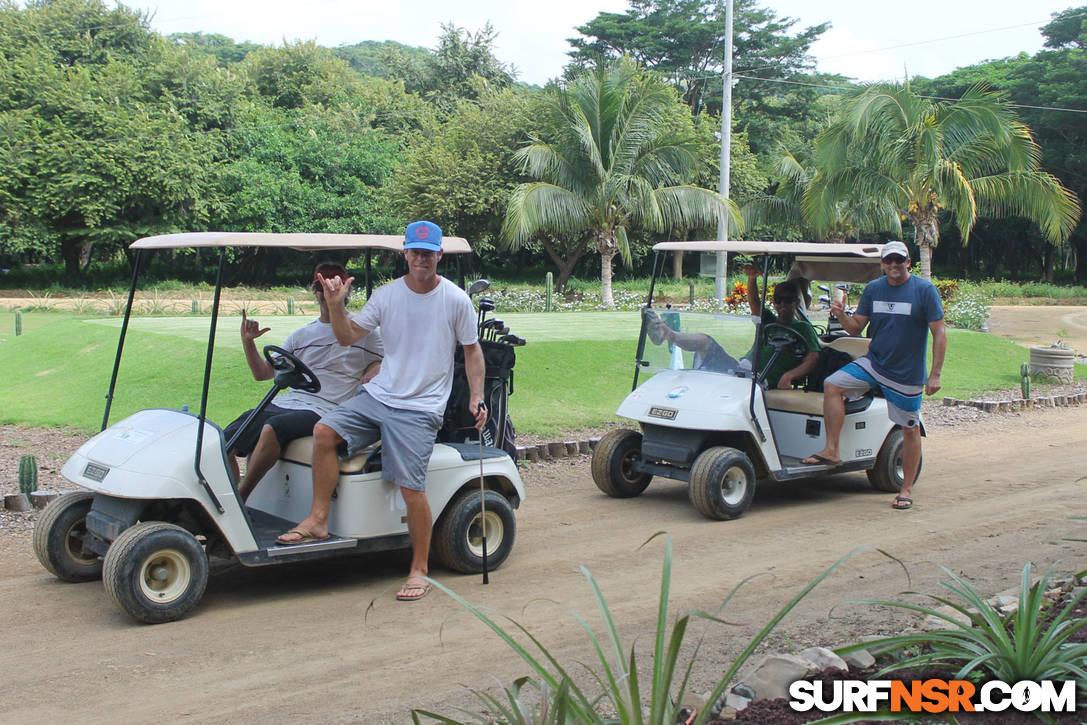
(785,301)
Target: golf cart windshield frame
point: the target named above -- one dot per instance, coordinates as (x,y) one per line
(224,241)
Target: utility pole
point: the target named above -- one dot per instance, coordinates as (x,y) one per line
(721,268)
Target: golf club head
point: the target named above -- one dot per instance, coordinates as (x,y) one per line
(486,304)
(824,288)
(512,340)
(824,299)
(504,331)
(480,285)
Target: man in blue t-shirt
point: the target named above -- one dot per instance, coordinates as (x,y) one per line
(901,311)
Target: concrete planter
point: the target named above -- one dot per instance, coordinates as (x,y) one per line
(1053,362)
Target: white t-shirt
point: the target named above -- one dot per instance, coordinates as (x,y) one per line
(337,367)
(420,332)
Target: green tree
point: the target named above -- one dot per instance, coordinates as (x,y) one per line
(97,156)
(1049,86)
(683,40)
(971,156)
(459,170)
(612,161)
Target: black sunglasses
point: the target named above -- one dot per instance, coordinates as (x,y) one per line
(894,259)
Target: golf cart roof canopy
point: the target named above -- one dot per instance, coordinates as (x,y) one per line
(303,241)
(864,251)
(811,260)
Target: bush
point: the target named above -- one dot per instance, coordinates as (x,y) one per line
(968,310)
(948,289)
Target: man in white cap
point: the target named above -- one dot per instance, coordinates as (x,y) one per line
(423,317)
(901,310)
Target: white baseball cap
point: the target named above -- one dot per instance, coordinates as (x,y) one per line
(894,248)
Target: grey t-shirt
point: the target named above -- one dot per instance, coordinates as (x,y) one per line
(338,368)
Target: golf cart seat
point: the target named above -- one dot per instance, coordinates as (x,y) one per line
(852,346)
(300,450)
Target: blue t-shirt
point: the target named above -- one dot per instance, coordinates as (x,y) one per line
(898,324)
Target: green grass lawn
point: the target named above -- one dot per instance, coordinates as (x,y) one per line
(574,372)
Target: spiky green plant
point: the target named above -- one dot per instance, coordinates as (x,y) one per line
(28,474)
(630,696)
(1031,644)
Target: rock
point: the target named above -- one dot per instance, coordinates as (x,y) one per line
(584,447)
(771,679)
(1005,604)
(736,702)
(571,447)
(16,502)
(556,450)
(862,659)
(532,453)
(541,450)
(822,658)
(41,499)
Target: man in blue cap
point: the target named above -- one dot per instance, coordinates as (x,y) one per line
(422,316)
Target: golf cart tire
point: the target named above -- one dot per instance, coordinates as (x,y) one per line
(156,572)
(58,539)
(611,464)
(887,473)
(457,542)
(722,483)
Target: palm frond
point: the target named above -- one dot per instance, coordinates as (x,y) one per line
(1036,195)
(539,207)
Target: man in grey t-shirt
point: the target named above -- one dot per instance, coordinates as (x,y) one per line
(422,318)
(294,413)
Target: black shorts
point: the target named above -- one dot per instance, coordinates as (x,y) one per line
(288,424)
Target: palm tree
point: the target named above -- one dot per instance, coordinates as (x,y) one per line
(784,208)
(972,157)
(613,162)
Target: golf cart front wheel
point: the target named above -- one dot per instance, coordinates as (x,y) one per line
(156,572)
(887,474)
(613,460)
(458,537)
(722,483)
(58,539)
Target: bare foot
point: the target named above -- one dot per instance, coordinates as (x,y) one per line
(823,458)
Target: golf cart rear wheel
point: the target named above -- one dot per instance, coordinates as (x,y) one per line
(58,539)
(722,483)
(612,469)
(458,537)
(156,572)
(887,474)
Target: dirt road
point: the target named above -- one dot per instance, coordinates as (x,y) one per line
(299,645)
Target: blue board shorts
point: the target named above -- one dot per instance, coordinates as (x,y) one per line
(407,437)
(903,401)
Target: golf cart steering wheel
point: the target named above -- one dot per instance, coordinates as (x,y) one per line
(780,336)
(290,371)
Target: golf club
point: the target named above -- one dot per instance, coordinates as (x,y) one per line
(482,501)
(512,340)
(480,285)
(486,304)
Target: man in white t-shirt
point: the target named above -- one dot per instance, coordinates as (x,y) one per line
(294,413)
(423,317)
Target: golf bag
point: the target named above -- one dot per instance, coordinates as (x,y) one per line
(458,425)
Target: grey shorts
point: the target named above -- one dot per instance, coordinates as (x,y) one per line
(903,401)
(407,437)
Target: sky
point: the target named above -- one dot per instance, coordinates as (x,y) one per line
(868,40)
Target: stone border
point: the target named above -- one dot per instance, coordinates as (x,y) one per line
(1008,406)
(556,449)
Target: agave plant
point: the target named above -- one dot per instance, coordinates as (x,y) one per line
(1032,644)
(630,695)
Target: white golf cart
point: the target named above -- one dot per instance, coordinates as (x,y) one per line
(161,500)
(708,420)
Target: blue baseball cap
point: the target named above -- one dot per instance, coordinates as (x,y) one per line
(423,235)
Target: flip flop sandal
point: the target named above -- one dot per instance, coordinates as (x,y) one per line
(416,584)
